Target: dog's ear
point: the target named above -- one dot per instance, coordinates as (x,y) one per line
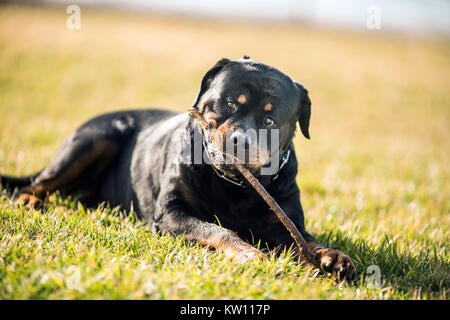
(305,110)
(207,79)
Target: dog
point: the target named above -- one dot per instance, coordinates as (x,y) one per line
(127,159)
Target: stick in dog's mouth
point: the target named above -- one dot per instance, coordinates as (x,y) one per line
(303,248)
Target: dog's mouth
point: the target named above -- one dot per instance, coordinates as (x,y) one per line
(224,161)
(221,161)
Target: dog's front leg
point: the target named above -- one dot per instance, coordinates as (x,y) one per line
(179,222)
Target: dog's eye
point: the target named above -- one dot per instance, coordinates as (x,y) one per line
(231,105)
(268,121)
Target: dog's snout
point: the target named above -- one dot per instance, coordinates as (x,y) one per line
(239,138)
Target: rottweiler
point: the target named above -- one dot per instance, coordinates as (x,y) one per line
(133,159)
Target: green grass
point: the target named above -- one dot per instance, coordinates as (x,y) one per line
(374,177)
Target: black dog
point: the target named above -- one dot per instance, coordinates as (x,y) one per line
(128,158)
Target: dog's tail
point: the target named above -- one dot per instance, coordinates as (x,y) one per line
(16,182)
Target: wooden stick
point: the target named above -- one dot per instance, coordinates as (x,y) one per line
(197,115)
(303,248)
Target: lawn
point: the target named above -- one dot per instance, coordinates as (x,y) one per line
(375,177)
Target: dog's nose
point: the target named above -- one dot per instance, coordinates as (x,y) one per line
(239,138)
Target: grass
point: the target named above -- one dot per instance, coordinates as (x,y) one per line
(374,177)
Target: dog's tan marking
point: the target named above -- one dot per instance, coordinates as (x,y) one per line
(29,201)
(211,119)
(232,246)
(242,99)
(314,246)
(268,107)
(221,132)
(212,115)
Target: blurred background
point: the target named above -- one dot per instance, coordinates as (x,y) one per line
(378,73)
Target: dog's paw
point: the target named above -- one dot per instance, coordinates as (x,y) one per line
(337,262)
(29,201)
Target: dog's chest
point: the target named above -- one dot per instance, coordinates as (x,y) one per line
(234,208)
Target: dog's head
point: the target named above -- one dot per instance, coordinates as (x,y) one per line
(251,110)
